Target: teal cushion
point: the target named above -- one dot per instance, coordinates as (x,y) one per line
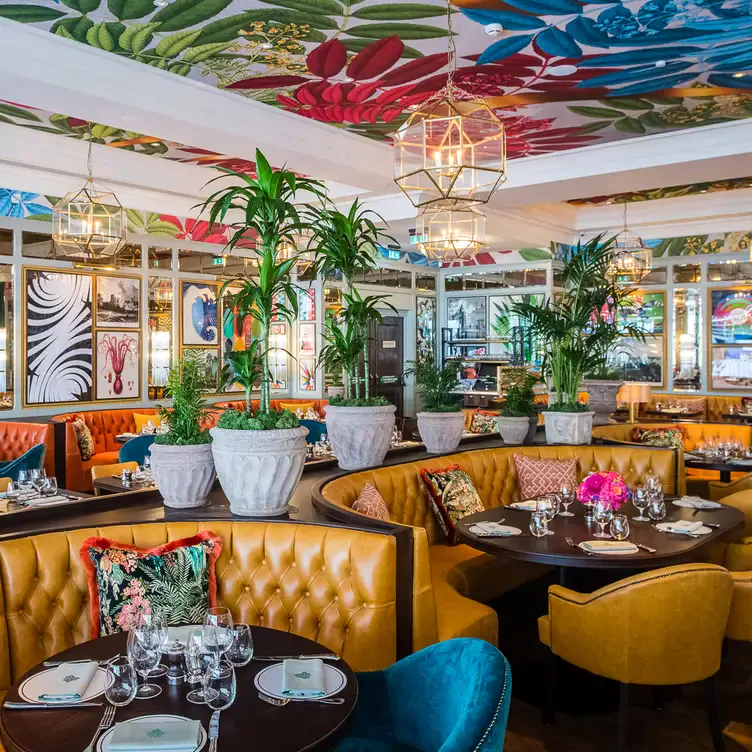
(135,450)
(31,459)
(316,429)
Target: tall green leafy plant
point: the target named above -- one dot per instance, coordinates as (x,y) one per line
(436,384)
(519,400)
(189,408)
(243,367)
(271,220)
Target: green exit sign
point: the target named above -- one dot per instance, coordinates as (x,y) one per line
(218,261)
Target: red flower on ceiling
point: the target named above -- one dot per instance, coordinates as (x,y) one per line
(198,230)
(528,136)
(214,159)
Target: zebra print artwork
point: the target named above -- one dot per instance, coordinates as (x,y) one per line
(58,337)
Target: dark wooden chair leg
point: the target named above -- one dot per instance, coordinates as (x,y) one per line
(713,711)
(549,700)
(623,716)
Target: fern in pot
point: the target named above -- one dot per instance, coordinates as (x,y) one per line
(440,422)
(518,418)
(182,460)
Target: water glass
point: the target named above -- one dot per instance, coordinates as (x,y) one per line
(144,656)
(641,501)
(197,661)
(152,628)
(217,632)
(567,497)
(548,506)
(620,527)
(657,509)
(219,685)
(13,491)
(49,487)
(241,649)
(25,481)
(539,524)
(38,476)
(602,514)
(122,681)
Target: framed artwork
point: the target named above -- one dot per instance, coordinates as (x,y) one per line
(634,360)
(730,317)
(645,311)
(58,357)
(307,305)
(731,367)
(207,361)
(118,365)
(307,374)
(307,339)
(425,322)
(278,330)
(118,302)
(279,299)
(198,313)
(467,317)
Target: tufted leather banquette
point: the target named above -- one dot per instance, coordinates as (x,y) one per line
(318,404)
(450,580)
(713,407)
(16,438)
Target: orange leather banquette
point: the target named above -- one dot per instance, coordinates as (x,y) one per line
(318,404)
(16,438)
(713,407)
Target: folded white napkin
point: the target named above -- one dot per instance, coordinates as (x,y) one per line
(682,526)
(604,545)
(494,528)
(303,678)
(695,502)
(529,506)
(68,682)
(42,500)
(158,734)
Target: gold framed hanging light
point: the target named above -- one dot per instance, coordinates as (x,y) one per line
(89,222)
(632,260)
(451,234)
(452,148)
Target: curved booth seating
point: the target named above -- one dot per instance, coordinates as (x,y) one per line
(450,697)
(713,407)
(135,450)
(276,404)
(31,459)
(450,580)
(18,438)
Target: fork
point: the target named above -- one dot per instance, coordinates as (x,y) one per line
(279,702)
(571,543)
(105,723)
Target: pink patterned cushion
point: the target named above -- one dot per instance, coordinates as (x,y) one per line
(371,504)
(538,477)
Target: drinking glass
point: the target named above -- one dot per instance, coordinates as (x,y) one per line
(567,497)
(539,524)
(49,487)
(640,500)
(24,480)
(13,491)
(152,628)
(241,649)
(620,527)
(38,477)
(657,509)
(122,681)
(602,514)
(144,656)
(217,632)
(547,505)
(219,685)
(197,660)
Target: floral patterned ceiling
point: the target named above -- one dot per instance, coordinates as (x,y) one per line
(671,192)
(562,74)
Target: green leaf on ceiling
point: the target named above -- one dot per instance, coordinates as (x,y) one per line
(29,13)
(321,7)
(82,6)
(116,29)
(596,112)
(39,217)
(204,52)
(227,29)
(652,120)
(657,99)
(173,45)
(61,31)
(134,217)
(402,30)
(399,12)
(18,112)
(627,104)
(158,64)
(356,45)
(127,10)
(162,229)
(629,125)
(181,14)
(534,254)
(598,125)
(136,37)
(182,69)
(6,120)
(99,36)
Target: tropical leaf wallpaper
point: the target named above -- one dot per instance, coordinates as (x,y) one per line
(670,192)
(563,74)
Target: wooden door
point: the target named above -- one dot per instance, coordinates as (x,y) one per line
(385,357)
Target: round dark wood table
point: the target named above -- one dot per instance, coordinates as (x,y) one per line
(248,723)
(724,467)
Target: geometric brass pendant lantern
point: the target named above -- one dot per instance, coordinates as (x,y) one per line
(451,233)
(632,260)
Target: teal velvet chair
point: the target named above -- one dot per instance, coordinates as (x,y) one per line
(31,459)
(316,429)
(449,697)
(134,450)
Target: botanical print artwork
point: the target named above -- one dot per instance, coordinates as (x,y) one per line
(58,346)
(307,342)
(425,326)
(207,361)
(467,317)
(118,365)
(692,245)
(731,317)
(199,313)
(307,305)
(731,367)
(307,380)
(118,302)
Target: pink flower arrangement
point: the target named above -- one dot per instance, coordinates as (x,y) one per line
(602,486)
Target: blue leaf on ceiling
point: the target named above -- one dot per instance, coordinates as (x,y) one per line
(634,57)
(657,84)
(639,73)
(728,36)
(667,36)
(721,24)
(726,79)
(585,31)
(656,14)
(731,57)
(504,48)
(557,43)
(547,7)
(737,64)
(508,19)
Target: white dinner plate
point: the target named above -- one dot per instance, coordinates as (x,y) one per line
(524,506)
(664,528)
(606,552)
(269,681)
(36,685)
(103,743)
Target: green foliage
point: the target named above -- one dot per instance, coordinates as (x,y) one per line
(359,402)
(262,421)
(519,400)
(436,384)
(189,407)
(568,407)
(244,367)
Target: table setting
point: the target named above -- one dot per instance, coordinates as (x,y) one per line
(34,488)
(211,688)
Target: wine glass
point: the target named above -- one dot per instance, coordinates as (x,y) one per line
(49,487)
(219,685)
(122,681)
(144,655)
(38,476)
(539,524)
(567,497)
(620,527)
(152,628)
(657,509)
(640,500)
(217,632)
(24,480)
(602,514)
(547,505)
(197,660)
(13,491)
(241,649)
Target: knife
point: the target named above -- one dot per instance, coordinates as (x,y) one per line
(323,657)
(44,705)
(213,731)
(645,548)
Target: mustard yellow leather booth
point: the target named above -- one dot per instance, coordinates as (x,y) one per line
(452,583)
(664,627)
(714,407)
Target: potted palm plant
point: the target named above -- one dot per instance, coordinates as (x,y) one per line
(359,425)
(441,422)
(518,419)
(259,458)
(181,458)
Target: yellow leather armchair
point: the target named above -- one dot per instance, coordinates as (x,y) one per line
(664,627)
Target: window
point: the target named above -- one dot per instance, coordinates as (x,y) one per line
(687,273)
(730,271)
(687,340)
(6,242)
(160,334)
(520,347)
(160,257)
(425,282)
(37,245)
(476,280)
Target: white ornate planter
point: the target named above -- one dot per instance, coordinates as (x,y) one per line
(335,391)
(568,428)
(602,398)
(184,474)
(259,470)
(360,436)
(441,432)
(514,430)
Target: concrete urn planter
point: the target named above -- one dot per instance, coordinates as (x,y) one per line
(602,398)
(360,436)
(335,391)
(568,428)
(184,474)
(514,430)
(441,432)
(259,470)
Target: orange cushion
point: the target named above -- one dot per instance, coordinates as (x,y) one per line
(141,420)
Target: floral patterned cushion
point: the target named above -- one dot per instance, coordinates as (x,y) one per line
(370,503)
(84,438)
(484,422)
(177,580)
(663,437)
(538,477)
(452,496)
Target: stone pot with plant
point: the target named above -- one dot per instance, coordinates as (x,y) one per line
(359,425)
(259,458)
(181,458)
(518,420)
(440,422)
